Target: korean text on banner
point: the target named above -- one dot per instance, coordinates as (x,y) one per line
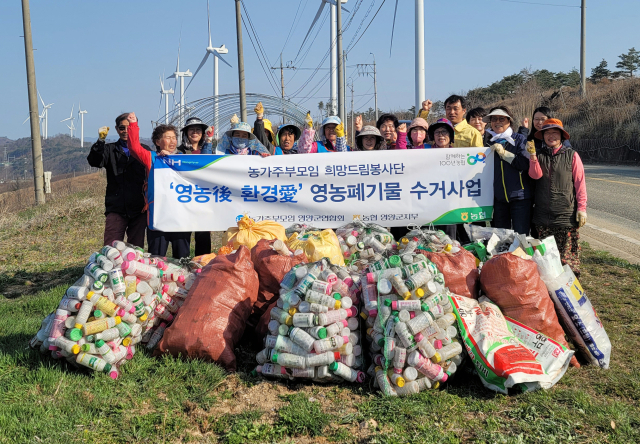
(392,188)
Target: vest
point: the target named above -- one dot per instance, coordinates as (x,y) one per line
(321,148)
(278,151)
(555,194)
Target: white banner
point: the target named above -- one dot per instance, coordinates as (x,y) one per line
(391,188)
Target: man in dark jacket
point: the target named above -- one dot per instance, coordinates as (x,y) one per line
(124,200)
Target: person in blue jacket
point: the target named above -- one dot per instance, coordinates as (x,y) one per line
(332,137)
(512,187)
(283,142)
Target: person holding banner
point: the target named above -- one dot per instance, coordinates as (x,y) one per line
(561,191)
(285,141)
(332,137)
(165,138)
(512,187)
(240,140)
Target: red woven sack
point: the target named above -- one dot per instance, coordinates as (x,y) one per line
(271,268)
(459,270)
(212,320)
(514,285)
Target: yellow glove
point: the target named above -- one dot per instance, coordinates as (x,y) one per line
(531,147)
(259,110)
(581,217)
(309,120)
(102,132)
(340,130)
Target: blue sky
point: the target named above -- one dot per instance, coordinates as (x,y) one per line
(108,54)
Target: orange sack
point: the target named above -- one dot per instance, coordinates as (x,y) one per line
(514,285)
(212,320)
(459,270)
(271,268)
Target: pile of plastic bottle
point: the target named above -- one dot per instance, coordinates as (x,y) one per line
(125,298)
(314,327)
(364,243)
(411,327)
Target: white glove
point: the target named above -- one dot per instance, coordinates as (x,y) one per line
(505,155)
(581,217)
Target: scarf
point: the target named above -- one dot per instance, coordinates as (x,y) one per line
(504,136)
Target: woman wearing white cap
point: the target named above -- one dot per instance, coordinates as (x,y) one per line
(332,137)
(512,186)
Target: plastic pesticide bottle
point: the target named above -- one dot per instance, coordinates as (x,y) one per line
(143,271)
(426,367)
(130,283)
(320,359)
(102,261)
(272,370)
(156,336)
(421,321)
(281,316)
(384,384)
(329,344)
(169,303)
(301,338)
(371,299)
(77,292)
(70,305)
(306,307)
(399,358)
(304,319)
(334,316)
(103,304)
(100,325)
(446,320)
(409,305)
(112,254)
(321,298)
(281,248)
(419,279)
(400,287)
(305,284)
(105,351)
(109,334)
(449,351)
(410,388)
(410,374)
(396,379)
(427,349)
(348,360)
(346,373)
(57,326)
(94,362)
(94,271)
(290,298)
(321,286)
(163,313)
(317,332)
(283,344)
(67,345)
(288,360)
(403,334)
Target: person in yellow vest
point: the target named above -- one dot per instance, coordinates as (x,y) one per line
(465,134)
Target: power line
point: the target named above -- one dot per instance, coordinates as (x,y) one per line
(541,4)
(268,75)
(365,30)
(259,43)
(294,24)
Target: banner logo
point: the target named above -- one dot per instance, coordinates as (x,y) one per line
(472,160)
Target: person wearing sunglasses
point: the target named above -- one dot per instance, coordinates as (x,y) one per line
(124,198)
(512,186)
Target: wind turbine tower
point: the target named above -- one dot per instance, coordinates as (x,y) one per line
(45,117)
(216,52)
(71,127)
(180,75)
(165,93)
(81,113)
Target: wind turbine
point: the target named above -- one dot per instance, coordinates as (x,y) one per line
(71,119)
(41,117)
(81,114)
(216,55)
(45,116)
(165,93)
(180,75)
(334,49)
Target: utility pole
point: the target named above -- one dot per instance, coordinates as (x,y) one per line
(243,93)
(341,104)
(419,58)
(363,70)
(353,128)
(583,50)
(333,92)
(282,68)
(36,143)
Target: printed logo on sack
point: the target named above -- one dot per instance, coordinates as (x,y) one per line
(472,160)
(239,217)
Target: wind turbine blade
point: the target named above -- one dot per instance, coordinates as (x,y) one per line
(41,98)
(65,119)
(395,11)
(216,54)
(209,23)
(313,23)
(204,60)
(161,85)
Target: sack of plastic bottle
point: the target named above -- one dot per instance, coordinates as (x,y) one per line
(459,269)
(364,243)
(313,328)
(578,316)
(126,298)
(213,317)
(316,245)
(412,334)
(514,284)
(506,353)
(271,260)
(249,232)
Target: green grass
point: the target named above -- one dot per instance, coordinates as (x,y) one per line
(171,400)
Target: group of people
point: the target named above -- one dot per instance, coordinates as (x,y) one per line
(539,183)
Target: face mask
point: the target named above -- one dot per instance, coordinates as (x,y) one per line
(239,143)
